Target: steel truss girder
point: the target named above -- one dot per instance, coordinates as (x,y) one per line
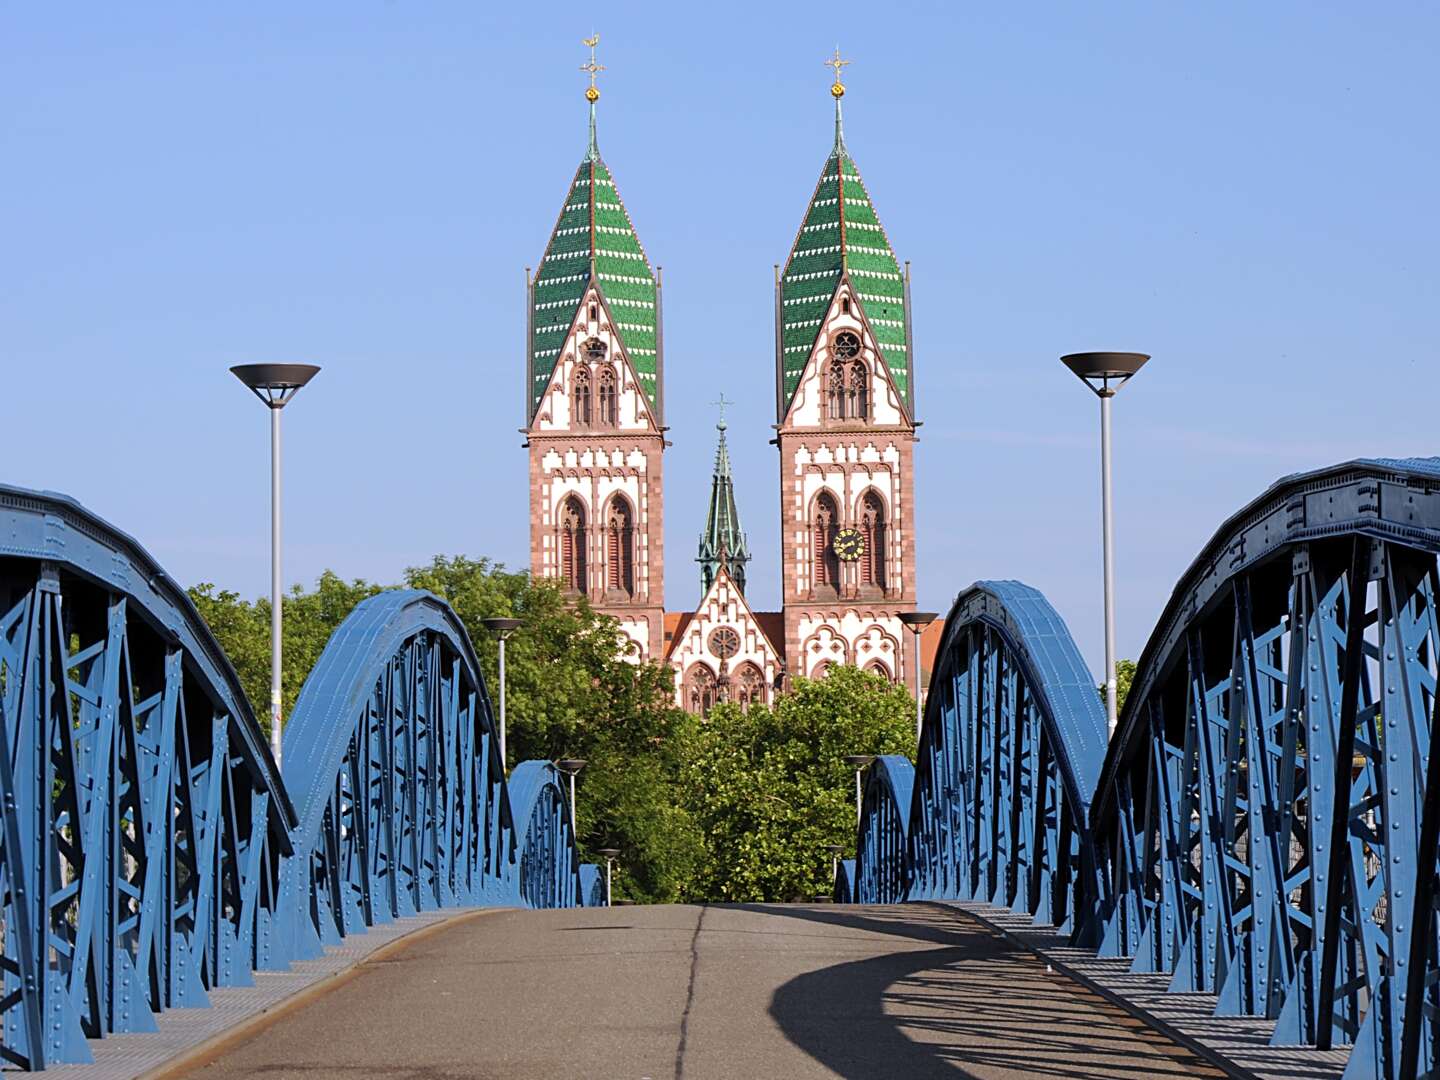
(1261,818)
(549,871)
(1013,738)
(880,873)
(143,821)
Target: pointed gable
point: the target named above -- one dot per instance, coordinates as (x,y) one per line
(841,236)
(593,239)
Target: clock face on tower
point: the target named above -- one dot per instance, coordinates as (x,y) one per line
(849,545)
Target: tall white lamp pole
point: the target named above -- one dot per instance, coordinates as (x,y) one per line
(502,629)
(1105,373)
(275,385)
(917,621)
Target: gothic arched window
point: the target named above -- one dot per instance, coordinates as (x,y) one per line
(699,690)
(824,524)
(857,390)
(582,397)
(572,544)
(872,529)
(620,548)
(749,686)
(609,398)
(835,391)
(877,667)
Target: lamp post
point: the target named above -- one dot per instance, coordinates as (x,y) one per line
(1105,373)
(858,762)
(917,621)
(502,629)
(571,766)
(275,385)
(609,854)
(834,850)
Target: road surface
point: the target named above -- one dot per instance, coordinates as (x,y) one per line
(717,992)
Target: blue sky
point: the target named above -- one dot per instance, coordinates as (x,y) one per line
(1246,191)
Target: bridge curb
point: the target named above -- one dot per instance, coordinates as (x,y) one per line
(1316,1063)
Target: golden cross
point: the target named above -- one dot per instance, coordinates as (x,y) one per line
(722,403)
(837,64)
(592,68)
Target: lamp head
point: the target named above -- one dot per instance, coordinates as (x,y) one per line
(275,384)
(1105,372)
(918,620)
(608,852)
(570,765)
(501,626)
(859,761)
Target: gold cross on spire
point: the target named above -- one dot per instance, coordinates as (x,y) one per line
(722,403)
(838,89)
(592,95)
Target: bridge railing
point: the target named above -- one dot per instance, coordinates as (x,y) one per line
(150,850)
(1265,825)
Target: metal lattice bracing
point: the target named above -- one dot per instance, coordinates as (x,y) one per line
(549,872)
(1014,737)
(143,819)
(1262,822)
(402,803)
(880,872)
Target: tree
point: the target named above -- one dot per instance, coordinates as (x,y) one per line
(571,693)
(769,788)
(1124,676)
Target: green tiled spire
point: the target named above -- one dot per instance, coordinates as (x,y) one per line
(723,541)
(593,238)
(841,236)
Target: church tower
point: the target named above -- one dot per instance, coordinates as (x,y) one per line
(846,431)
(593,397)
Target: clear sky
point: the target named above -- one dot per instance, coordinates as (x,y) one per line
(1247,191)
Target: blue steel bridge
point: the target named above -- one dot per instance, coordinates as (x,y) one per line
(1241,881)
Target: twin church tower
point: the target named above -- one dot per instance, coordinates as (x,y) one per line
(845,428)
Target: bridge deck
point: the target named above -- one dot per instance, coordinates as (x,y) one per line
(709,992)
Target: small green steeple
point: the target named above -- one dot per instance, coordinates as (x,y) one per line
(723,541)
(593,241)
(841,237)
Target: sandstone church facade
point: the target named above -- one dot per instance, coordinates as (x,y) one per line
(845,431)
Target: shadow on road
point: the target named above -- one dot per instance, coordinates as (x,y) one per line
(975,1007)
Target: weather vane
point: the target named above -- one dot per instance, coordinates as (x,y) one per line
(592,95)
(838,89)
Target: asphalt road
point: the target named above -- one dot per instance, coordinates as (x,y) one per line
(707,993)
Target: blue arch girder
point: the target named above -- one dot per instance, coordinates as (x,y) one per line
(549,869)
(397,783)
(1261,816)
(143,818)
(880,872)
(1013,740)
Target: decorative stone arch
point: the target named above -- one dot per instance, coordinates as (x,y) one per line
(619,526)
(876,645)
(608,395)
(877,667)
(824,646)
(701,688)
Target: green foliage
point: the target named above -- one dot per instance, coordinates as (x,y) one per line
(769,789)
(1124,676)
(570,693)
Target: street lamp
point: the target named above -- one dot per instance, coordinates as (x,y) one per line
(609,854)
(834,850)
(917,621)
(858,762)
(502,629)
(571,766)
(1105,373)
(275,385)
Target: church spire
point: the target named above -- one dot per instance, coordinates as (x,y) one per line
(840,239)
(592,93)
(837,91)
(723,541)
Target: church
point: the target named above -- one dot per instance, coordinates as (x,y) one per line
(845,431)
